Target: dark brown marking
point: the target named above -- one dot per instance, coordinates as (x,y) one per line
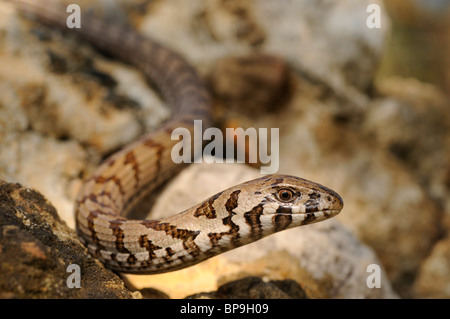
(232,202)
(119,235)
(214,238)
(281,221)
(277,182)
(94,238)
(103,180)
(252,218)
(312,208)
(168,257)
(230,205)
(170,252)
(130,158)
(312,204)
(191,247)
(143,242)
(308,218)
(94,198)
(206,209)
(148,245)
(131,259)
(90,220)
(171,230)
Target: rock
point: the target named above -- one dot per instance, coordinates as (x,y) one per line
(337,50)
(150,293)
(37,248)
(419,44)
(256,288)
(433,278)
(251,83)
(410,120)
(60,87)
(59,163)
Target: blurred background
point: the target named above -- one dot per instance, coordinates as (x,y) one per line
(419,43)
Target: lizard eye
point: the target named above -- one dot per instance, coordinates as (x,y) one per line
(285,195)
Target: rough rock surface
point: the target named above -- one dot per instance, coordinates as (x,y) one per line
(256,288)
(432,279)
(36,249)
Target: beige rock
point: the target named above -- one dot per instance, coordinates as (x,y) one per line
(48,164)
(248,84)
(411,121)
(433,279)
(328,40)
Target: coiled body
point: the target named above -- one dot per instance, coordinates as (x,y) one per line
(232,218)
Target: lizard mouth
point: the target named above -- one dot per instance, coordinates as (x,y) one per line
(326,212)
(323,214)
